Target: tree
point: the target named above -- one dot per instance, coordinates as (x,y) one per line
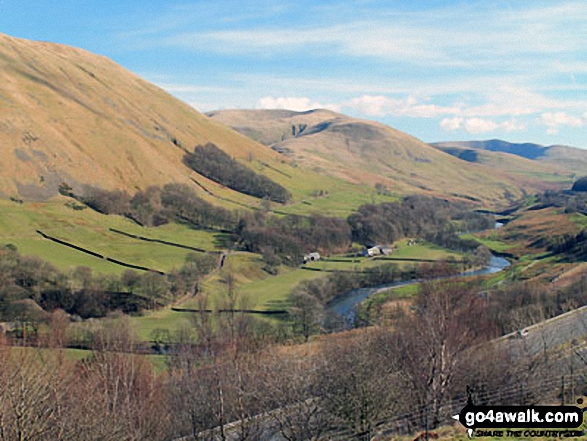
(58,324)
(580,184)
(292,390)
(130,279)
(362,380)
(450,318)
(153,285)
(306,313)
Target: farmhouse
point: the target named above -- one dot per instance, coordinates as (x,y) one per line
(312,257)
(378,250)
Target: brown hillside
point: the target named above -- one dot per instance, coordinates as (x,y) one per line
(369,152)
(69,115)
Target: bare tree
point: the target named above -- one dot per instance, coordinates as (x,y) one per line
(361,379)
(449,319)
(293,392)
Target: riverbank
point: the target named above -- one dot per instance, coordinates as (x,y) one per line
(346,305)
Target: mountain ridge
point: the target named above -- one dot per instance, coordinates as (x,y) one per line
(373,152)
(573,159)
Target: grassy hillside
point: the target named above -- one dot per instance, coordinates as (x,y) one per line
(91,230)
(71,116)
(363,151)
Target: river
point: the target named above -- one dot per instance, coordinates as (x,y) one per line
(346,305)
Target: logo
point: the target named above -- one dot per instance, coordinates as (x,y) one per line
(499,421)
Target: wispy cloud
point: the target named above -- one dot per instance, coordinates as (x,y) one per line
(471,66)
(409,106)
(477,126)
(299,104)
(454,37)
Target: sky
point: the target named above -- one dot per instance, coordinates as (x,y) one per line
(451,70)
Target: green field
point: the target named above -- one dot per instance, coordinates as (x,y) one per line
(89,229)
(579,219)
(256,289)
(337,197)
(491,241)
(159,362)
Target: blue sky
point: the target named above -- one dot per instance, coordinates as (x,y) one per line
(515,70)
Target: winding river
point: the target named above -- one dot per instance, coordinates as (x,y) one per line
(346,305)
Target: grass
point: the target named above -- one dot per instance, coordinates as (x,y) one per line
(90,229)
(164,318)
(491,241)
(422,250)
(256,289)
(159,362)
(579,219)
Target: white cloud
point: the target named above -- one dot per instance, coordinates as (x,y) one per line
(479,125)
(298,104)
(451,124)
(512,125)
(559,119)
(370,105)
(552,131)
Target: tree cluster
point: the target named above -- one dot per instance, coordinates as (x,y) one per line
(159,205)
(436,220)
(522,303)
(570,201)
(580,184)
(292,236)
(213,163)
(228,382)
(286,239)
(574,246)
(400,379)
(31,287)
(110,396)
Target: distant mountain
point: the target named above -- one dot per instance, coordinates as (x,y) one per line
(367,151)
(568,159)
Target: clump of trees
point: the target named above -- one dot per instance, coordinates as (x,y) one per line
(580,184)
(398,379)
(574,246)
(31,287)
(110,396)
(159,205)
(570,201)
(292,236)
(436,220)
(286,239)
(213,163)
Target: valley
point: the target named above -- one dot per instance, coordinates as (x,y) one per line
(269,273)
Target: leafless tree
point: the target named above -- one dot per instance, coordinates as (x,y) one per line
(361,379)
(449,319)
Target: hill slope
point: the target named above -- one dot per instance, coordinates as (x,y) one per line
(370,152)
(567,159)
(69,115)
